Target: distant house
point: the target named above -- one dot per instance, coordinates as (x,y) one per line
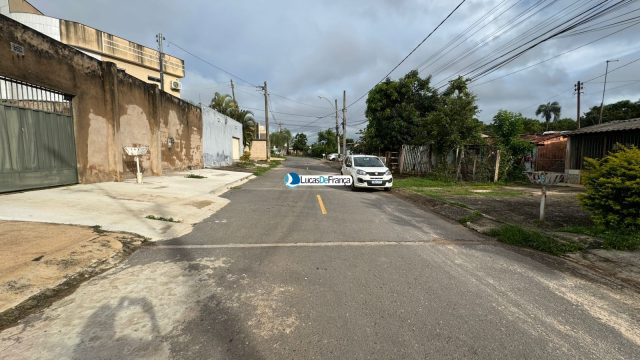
(597,141)
(549,153)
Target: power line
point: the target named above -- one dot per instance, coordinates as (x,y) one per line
(212,64)
(410,53)
(553,57)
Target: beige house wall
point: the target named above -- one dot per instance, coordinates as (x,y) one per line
(258,150)
(111,108)
(137,60)
(23,6)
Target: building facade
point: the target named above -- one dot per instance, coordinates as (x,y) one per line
(136,60)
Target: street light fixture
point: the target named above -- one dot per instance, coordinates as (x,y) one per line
(604,89)
(337,128)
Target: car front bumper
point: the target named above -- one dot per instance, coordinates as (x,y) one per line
(373,181)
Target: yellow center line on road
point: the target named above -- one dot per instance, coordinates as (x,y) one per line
(322,208)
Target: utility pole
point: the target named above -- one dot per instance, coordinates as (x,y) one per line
(344,123)
(266,119)
(233,91)
(337,127)
(604,89)
(578,87)
(159,39)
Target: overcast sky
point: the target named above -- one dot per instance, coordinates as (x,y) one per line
(307,49)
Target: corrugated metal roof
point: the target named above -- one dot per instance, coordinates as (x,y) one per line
(618,125)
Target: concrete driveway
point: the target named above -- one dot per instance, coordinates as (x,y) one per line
(124,206)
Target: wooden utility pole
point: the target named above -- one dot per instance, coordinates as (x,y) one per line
(233,91)
(266,119)
(578,87)
(344,123)
(337,128)
(159,39)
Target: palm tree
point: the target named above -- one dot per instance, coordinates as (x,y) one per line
(224,104)
(245,117)
(547,110)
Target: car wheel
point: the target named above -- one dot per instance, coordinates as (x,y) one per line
(353,186)
(387,189)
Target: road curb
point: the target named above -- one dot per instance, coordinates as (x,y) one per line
(223,189)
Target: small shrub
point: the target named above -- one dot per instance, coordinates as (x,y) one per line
(194,176)
(246,157)
(612,193)
(162,218)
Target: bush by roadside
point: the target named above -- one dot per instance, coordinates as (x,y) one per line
(612,193)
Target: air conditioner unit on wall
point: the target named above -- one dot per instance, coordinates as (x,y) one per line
(176,85)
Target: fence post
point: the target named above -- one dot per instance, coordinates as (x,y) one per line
(497,171)
(401,160)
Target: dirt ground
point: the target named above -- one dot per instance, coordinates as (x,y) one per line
(40,262)
(562,206)
(563,209)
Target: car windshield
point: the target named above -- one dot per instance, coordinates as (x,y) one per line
(367,161)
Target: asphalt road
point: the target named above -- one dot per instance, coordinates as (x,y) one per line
(271,277)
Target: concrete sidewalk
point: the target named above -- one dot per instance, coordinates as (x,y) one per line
(124,206)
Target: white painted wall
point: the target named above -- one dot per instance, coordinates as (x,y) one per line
(44,24)
(218,132)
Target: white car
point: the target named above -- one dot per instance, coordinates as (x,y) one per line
(332,157)
(367,171)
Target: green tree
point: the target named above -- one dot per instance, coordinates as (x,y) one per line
(328,139)
(549,110)
(532,126)
(280,139)
(621,110)
(394,109)
(453,124)
(300,142)
(508,128)
(565,124)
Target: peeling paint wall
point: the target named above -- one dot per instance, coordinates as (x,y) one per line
(111,109)
(218,132)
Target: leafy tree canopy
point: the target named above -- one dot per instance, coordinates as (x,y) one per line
(394,109)
(621,110)
(300,142)
(453,123)
(224,104)
(280,139)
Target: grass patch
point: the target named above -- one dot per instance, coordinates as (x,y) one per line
(264,168)
(515,235)
(194,176)
(611,239)
(471,217)
(98,229)
(439,188)
(162,218)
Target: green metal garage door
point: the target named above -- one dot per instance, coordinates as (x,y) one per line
(37,148)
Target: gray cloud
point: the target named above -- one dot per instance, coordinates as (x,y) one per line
(311,48)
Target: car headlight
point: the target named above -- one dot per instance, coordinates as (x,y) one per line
(361,172)
(388,172)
